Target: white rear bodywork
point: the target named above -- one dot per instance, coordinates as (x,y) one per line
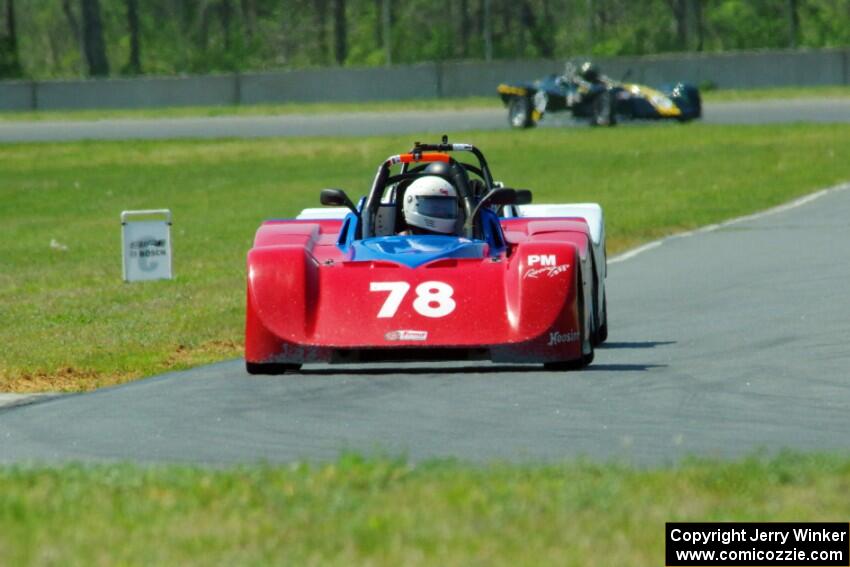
(323,213)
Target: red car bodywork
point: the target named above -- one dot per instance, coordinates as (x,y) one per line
(308,301)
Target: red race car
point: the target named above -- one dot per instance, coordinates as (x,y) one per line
(424,268)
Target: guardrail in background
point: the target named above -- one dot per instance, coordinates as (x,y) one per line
(427,80)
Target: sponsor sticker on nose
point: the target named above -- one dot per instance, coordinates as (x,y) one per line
(542,259)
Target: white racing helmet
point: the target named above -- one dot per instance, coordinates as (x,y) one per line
(430,203)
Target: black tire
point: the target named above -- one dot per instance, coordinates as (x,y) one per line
(602,332)
(603,110)
(696,102)
(597,320)
(519,112)
(600,329)
(273,368)
(624,111)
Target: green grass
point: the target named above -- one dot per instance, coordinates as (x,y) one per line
(356,512)
(464,103)
(71,324)
(261,109)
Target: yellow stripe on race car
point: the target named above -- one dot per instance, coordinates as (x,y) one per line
(509,90)
(659,101)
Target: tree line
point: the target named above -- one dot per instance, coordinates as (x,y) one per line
(71,38)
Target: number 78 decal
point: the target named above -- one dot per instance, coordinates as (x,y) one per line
(433,299)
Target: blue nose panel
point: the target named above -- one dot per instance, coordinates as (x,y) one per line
(413,251)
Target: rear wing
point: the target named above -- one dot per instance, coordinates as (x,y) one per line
(323,213)
(590,212)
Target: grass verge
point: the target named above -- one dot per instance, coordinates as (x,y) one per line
(71,324)
(356,512)
(464,103)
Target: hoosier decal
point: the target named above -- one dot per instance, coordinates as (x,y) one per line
(556,338)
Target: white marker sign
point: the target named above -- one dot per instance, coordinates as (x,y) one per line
(146,245)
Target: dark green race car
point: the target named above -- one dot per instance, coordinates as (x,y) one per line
(591,96)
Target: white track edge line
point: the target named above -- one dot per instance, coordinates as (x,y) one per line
(798,202)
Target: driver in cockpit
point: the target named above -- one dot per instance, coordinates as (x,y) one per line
(431,206)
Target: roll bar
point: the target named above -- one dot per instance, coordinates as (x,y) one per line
(445,146)
(428,153)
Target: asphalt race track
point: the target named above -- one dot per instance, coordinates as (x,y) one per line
(376,123)
(722,343)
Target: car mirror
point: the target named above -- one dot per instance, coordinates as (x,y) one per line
(523,197)
(336,198)
(499,196)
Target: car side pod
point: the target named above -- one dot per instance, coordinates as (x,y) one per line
(565,342)
(260,345)
(269,268)
(593,215)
